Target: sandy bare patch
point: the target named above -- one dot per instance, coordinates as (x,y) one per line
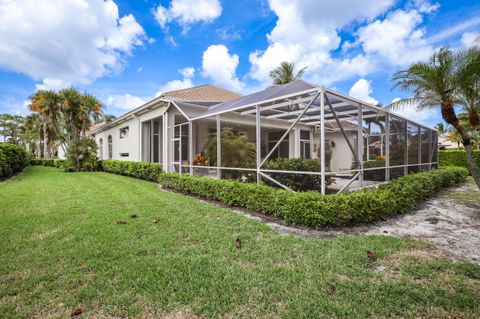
(443,221)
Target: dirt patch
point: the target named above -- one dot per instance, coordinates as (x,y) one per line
(443,221)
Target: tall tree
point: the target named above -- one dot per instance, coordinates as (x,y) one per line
(11,128)
(435,84)
(469,85)
(285,73)
(32,133)
(440,127)
(47,104)
(79,112)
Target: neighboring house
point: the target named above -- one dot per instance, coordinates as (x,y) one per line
(174,127)
(444,143)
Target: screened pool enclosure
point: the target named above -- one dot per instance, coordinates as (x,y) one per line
(355,144)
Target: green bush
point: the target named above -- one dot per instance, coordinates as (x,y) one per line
(297,182)
(142,170)
(456,158)
(53,162)
(317,210)
(13,158)
(81,155)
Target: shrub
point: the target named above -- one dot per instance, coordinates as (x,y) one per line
(142,170)
(81,155)
(317,210)
(237,151)
(456,158)
(297,182)
(53,162)
(13,158)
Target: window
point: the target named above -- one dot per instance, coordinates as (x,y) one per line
(110,147)
(124,132)
(282,151)
(305,152)
(100,149)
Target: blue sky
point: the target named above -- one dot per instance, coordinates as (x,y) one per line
(127,52)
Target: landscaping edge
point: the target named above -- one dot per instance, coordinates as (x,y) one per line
(304,208)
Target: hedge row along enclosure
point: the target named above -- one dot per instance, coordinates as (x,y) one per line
(13,158)
(456,158)
(317,210)
(306,208)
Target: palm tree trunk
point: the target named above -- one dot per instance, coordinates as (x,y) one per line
(46,142)
(38,150)
(472,165)
(448,114)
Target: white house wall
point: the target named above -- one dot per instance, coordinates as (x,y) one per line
(130,144)
(342,156)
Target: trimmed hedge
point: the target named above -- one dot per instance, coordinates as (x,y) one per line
(456,158)
(143,170)
(317,210)
(306,208)
(53,162)
(13,159)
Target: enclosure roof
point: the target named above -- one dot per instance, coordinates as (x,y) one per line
(270,93)
(202,93)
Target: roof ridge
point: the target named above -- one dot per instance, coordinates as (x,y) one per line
(189,88)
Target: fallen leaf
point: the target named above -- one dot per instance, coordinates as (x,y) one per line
(370,255)
(155,221)
(121,222)
(238,243)
(77,312)
(330,289)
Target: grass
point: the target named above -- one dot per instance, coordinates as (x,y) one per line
(468,198)
(62,249)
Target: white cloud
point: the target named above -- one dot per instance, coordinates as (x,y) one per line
(9,104)
(469,38)
(121,103)
(362,90)
(228,34)
(425,116)
(306,32)
(188,73)
(71,41)
(124,102)
(455,29)
(426,6)
(219,65)
(188,12)
(397,39)
(52,84)
(171,41)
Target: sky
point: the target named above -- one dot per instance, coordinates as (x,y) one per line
(128,52)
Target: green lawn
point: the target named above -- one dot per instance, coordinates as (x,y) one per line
(61,248)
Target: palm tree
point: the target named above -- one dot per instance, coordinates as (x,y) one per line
(440,127)
(79,111)
(32,133)
(435,84)
(469,85)
(284,73)
(46,103)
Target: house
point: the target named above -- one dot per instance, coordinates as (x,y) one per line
(295,120)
